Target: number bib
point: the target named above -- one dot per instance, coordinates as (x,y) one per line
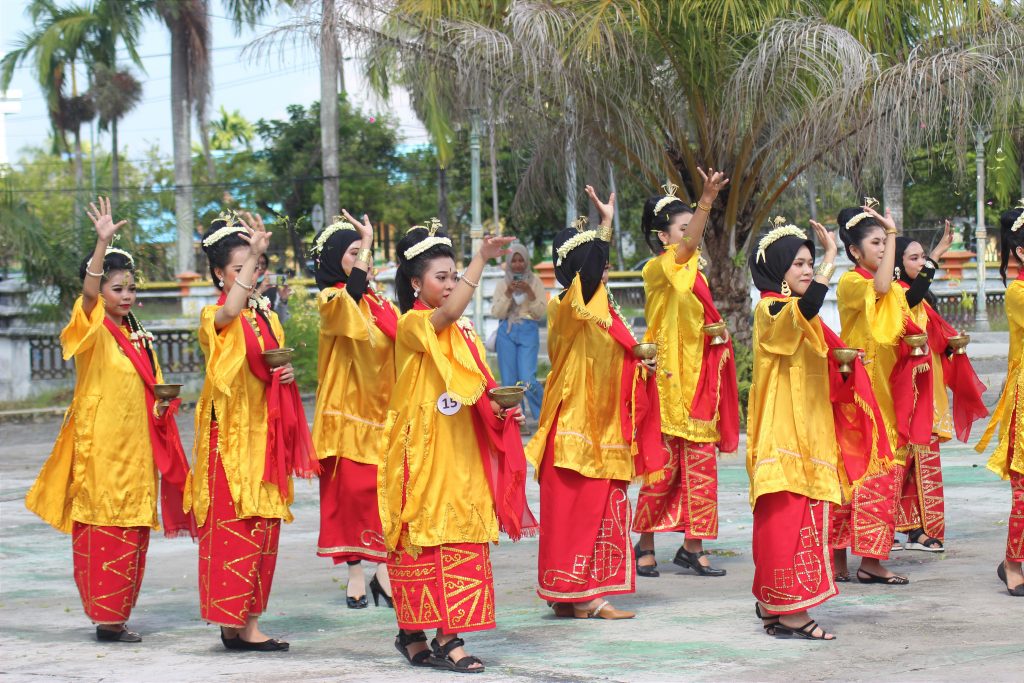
(446,405)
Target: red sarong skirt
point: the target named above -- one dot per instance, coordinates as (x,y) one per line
(109,562)
(687,498)
(350,526)
(792,555)
(236,556)
(448,587)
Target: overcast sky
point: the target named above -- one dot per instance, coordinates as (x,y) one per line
(258,90)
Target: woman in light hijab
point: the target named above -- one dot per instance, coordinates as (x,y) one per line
(520,303)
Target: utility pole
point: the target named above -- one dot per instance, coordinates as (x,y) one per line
(10,103)
(476,227)
(980,233)
(617,223)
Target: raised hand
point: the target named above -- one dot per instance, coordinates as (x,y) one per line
(826,239)
(364,227)
(605,209)
(493,246)
(714,182)
(886,221)
(945,242)
(103,220)
(257,237)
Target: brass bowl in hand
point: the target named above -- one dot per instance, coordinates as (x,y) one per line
(917,343)
(717,332)
(507,397)
(845,358)
(166,392)
(959,343)
(645,351)
(277,357)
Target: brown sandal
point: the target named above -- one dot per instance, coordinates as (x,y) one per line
(602,611)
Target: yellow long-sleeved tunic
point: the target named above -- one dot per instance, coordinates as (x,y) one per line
(675,318)
(875,323)
(791,439)
(583,389)
(356,370)
(101,468)
(1011,401)
(432,488)
(237,399)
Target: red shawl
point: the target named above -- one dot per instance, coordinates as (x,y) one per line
(911,382)
(501,450)
(289,444)
(717,392)
(384,315)
(859,426)
(168,455)
(639,409)
(957,373)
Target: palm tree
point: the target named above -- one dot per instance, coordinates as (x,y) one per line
(115,93)
(766,90)
(187,21)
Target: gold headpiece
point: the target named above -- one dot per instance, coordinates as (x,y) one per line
(670,196)
(122,252)
(232,224)
(1019,223)
(781,229)
(321,239)
(432,240)
(869,202)
(582,236)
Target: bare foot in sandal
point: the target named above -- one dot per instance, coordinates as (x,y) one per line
(800,625)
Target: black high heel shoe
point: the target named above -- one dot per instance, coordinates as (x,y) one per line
(378,592)
(356,603)
(684,558)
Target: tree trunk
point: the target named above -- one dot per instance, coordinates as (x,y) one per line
(329,110)
(496,228)
(115,171)
(892,193)
(181,121)
(79,180)
(442,197)
(729,282)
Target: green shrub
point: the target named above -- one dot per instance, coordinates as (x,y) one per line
(744,375)
(301,332)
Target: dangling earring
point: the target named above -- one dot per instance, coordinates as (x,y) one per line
(896,275)
(786,291)
(221,283)
(416,292)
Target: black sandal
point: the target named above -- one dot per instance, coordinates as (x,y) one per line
(237,644)
(402,642)
(645,569)
(843,577)
(105,635)
(1017,592)
(806,631)
(769,626)
(684,558)
(442,657)
(894,580)
(932,545)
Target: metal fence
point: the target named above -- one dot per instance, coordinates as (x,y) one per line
(177,349)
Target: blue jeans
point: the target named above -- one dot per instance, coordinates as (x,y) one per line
(517,359)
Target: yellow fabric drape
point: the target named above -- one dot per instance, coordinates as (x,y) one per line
(791,439)
(584,388)
(1011,401)
(101,468)
(675,321)
(431,479)
(238,399)
(356,370)
(875,323)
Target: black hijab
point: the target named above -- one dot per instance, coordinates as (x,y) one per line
(582,258)
(778,257)
(901,247)
(328,263)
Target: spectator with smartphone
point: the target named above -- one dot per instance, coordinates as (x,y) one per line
(274,286)
(519,303)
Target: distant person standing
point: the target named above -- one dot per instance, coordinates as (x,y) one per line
(520,303)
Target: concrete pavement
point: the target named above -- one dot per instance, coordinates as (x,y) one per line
(953,622)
